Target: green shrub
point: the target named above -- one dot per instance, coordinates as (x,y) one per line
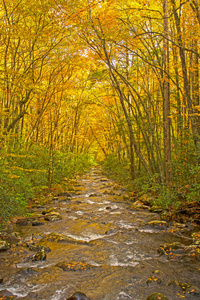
(119,171)
(24,175)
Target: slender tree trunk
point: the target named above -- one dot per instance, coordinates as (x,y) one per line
(192,117)
(166,98)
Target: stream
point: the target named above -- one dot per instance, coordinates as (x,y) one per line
(100,247)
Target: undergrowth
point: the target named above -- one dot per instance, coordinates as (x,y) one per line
(185,188)
(24,175)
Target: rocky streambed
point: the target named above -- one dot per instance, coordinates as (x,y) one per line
(94,241)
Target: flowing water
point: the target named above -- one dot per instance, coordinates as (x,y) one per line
(100,247)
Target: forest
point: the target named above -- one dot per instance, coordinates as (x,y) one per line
(106,82)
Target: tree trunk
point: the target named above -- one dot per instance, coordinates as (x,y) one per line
(166,99)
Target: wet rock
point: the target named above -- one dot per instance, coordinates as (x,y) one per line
(1,279)
(78,296)
(156,272)
(197,253)
(58,237)
(196,238)
(193,290)
(126,197)
(38,248)
(173,248)
(173,283)
(48,210)
(74,266)
(37,223)
(180,226)
(78,202)
(108,207)
(153,279)
(4,245)
(27,271)
(146,199)
(65,194)
(22,222)
(93,195)
(158,224)
(156,296)
(137,205)
(40,255)
(184,286)
(155,209)
(109,231)
(53,216)
(12,238)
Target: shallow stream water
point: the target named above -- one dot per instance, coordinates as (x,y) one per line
(111,254)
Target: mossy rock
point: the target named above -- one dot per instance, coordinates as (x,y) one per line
(137,205)
(74,266)
(174,283)
(22,222)
(146,199)
(157,223)
(4,245)
(37,223)
(58,237)
(157,296)
(197,253)
(171,248)
(155,209)
(183,286)
(193,290)
(48,210)
(153,279)
(156,272)
(53,216)
(196,238)
(37,248)
(40,255)
(179,225)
